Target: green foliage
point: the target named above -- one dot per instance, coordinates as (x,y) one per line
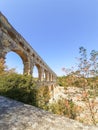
(61,81)
(65,108)
(42,97)
(16,86)
(23,88)
(86,77)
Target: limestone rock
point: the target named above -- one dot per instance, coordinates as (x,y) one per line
(15,115)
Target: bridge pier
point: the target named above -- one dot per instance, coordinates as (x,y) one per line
(40,76)
(1,54)
(27,68)
(46,76)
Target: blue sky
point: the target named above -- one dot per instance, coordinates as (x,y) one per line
(54,28)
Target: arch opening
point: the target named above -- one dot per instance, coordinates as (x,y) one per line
(14,61)
(35,73)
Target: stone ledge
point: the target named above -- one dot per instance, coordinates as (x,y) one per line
(18,116)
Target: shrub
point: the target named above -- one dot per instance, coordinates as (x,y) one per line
(23,88)
(64,107)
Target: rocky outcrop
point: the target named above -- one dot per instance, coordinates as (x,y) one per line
(18,116)
(75,94)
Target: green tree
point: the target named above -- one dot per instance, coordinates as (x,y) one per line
(85,76)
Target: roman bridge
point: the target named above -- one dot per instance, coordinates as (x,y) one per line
(11,40)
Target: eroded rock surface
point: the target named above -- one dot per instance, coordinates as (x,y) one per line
(18,116)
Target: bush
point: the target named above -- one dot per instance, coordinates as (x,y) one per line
(23,88)
(64,107)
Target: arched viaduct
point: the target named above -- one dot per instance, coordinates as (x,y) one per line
(11,40)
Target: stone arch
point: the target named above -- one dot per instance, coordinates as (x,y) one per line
(14,61)
(20,53)
(36,72)
(26,61)
(11,40)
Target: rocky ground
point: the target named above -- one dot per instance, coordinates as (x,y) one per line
(18,116)
(76,95)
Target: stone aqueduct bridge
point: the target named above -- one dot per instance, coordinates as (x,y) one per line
(11,40)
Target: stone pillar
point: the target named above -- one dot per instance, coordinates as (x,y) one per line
(47,76)
(40,73)
(51,77)
(3,49)
(28,67)
(54,78)
(2,53)
(43,74)
(1,34)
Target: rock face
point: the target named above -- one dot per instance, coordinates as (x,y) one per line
(18,116)
(76,95)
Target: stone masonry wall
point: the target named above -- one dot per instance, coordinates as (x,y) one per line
(18,116)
